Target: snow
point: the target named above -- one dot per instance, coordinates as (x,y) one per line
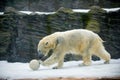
(75,10)
(81,10)
(111,9)
(70,69)
(36,12)
(86,10)
(1,13)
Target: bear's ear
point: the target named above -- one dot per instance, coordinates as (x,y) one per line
(59,40)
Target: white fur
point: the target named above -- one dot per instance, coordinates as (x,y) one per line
(79,41)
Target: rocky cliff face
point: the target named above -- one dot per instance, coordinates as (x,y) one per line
(111,33)
(20,33)
(53,5)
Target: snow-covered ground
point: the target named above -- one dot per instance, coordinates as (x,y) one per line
(70,69)
(75,10)
(86,10)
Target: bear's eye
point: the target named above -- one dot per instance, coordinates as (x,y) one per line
(46,43)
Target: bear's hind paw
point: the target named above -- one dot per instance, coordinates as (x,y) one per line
(106,62)
(86,64)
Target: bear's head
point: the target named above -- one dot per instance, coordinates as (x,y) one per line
(48,44)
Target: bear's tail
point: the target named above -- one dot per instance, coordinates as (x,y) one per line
(100,39)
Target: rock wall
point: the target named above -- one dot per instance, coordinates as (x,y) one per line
(111,33)
(53,5)
(20,33)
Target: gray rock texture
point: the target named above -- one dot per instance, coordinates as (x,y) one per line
(53,5)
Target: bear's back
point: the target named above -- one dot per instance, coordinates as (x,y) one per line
(77,33)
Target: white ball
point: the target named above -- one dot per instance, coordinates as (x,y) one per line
(34,64)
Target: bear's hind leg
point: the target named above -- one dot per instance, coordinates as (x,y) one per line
(103,54)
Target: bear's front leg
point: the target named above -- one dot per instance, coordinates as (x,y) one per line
(51,60)
(60,62)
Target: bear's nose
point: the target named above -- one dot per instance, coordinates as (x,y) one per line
(42,57)
(40,54)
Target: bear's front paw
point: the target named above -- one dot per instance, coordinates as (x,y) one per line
(40,61)
(56,67)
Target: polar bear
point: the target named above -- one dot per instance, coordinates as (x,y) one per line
(78,41)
